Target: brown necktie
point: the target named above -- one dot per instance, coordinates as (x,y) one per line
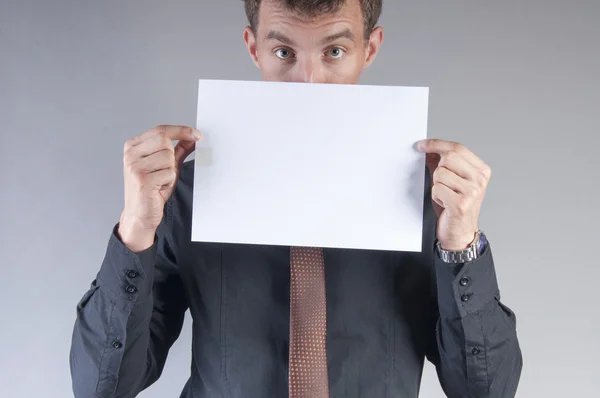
(308,358)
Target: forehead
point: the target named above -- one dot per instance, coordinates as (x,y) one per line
(273,13)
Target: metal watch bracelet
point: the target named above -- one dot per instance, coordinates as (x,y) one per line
(461,256)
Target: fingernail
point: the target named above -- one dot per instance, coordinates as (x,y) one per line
(421,145)
(197,134)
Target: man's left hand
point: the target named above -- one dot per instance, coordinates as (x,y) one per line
(459,180)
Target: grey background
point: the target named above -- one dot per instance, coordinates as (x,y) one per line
(516,81)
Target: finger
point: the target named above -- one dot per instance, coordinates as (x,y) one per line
(183,150)
(183,133)
(443,195)
(434,145)
(453,181)
(151,145)
(158,161)
(161,178)
(180,133)
(437,200)
(441,147)
(456,163)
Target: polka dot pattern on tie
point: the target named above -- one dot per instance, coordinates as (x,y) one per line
(308,324)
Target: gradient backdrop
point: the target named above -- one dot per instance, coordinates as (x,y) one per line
(515,80)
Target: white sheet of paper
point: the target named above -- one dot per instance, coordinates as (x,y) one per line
(319,165)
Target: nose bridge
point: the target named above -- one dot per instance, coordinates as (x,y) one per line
(309,70)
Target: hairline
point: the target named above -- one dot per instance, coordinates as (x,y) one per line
(367,30)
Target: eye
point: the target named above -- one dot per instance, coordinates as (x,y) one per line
(283,53)
(336,52)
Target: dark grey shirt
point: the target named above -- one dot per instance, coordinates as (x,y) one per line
(386,313)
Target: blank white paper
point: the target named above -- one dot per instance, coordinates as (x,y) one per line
(318,165)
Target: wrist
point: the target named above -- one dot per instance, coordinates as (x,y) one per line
(473,250)
(458,244)
(134,235)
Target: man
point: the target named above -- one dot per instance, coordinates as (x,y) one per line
(371,317)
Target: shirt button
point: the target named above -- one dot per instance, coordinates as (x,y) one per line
(130,289)
(465,298)
(132,273)
(475,351)
(117,344)
(464,281)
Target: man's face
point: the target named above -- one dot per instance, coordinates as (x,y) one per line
(329,49)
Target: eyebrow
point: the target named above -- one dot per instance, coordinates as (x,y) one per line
(275,35)
(344,34)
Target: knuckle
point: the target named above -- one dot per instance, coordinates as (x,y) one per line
(128,144)
(165,142)
(435,190)
(167,157)
(128,158)
(128,168)
(450,156)
(135,171)
(487,171)
(127,154)
(458,147)
(482,179)
(474,192)
(438,174)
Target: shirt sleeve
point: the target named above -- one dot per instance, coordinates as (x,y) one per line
(475,347)
(128,319)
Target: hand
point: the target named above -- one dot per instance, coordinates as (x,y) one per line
(459,180)
(151,169)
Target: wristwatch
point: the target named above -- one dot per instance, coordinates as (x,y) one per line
(472,252)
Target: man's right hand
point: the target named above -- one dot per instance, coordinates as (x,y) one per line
(151,168)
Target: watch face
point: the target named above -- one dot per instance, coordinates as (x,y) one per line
(482,243)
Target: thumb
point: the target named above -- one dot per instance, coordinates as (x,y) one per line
(182,150)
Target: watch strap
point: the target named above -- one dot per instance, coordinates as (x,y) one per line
(472,252)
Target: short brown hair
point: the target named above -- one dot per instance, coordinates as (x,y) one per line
(371,10)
